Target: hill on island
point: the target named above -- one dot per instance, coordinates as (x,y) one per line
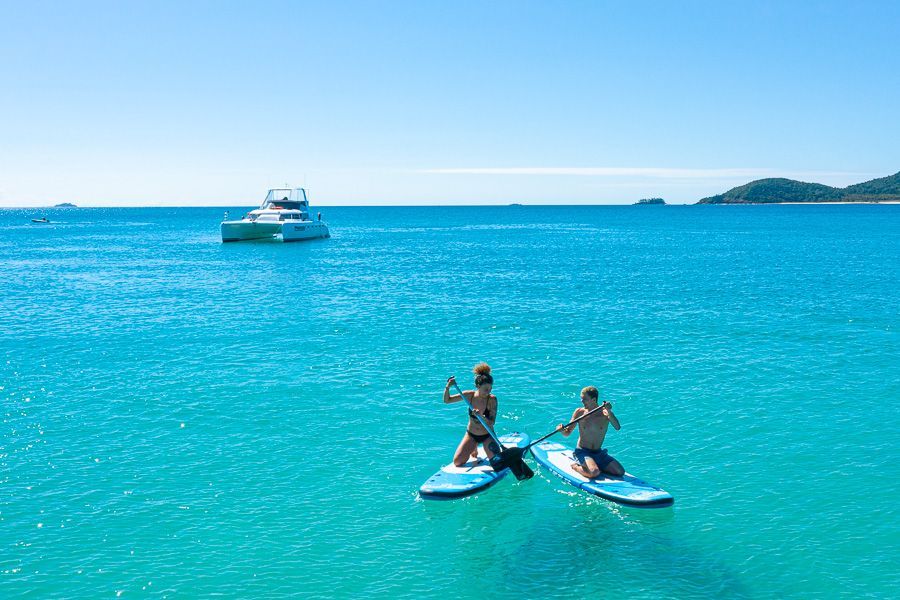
(777,190)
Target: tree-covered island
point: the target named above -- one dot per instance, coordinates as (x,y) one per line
(780,190)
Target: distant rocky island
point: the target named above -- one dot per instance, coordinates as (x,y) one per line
(65,205)
(649,201)
(780,190)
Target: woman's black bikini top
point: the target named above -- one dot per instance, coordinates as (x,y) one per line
(486,414)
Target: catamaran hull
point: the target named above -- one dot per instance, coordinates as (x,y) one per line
(239,231)
(304,230)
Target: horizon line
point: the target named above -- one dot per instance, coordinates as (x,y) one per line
(244,206)
(497,205)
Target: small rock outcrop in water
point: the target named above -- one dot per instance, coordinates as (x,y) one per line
(650,201)
(778,190)
(65,205)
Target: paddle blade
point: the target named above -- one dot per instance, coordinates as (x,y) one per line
(521,470)
(511,455)
(511,458)
(506,458)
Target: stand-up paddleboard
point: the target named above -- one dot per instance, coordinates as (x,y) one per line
(474,476)
(628,489)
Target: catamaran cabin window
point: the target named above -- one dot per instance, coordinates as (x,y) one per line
(286,205)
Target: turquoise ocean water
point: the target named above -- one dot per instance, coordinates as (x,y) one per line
(183,418)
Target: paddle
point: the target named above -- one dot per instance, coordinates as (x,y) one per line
(512,455)
(518,466)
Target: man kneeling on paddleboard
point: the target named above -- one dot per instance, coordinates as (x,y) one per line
(592,458)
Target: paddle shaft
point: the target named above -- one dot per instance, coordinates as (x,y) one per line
(555,431)
(478,416)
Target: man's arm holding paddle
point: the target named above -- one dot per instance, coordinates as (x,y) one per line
(606,409)
(568,429)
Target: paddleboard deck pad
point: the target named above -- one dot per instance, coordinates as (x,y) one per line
(474,476)
(627,490)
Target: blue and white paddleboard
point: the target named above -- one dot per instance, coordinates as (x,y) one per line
(628,489)
(474,476)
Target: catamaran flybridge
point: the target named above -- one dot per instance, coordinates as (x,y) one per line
(285,212)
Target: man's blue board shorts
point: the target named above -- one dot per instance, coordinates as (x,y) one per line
(601,457)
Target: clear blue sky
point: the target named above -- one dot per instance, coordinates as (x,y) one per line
(209,103)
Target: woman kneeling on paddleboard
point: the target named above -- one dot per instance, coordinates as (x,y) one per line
(484,404)
(592,458)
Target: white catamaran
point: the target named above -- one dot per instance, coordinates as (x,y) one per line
(285,212)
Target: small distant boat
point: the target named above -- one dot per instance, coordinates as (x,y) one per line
(285,212)
(42,220)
